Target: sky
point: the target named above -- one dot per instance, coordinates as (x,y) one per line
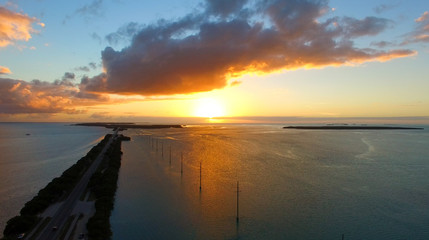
(117,60)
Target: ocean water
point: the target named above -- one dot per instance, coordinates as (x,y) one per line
(294,184)
(29,162)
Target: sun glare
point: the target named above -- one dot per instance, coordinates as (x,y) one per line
(209,108)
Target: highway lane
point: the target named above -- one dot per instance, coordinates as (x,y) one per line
(63,213)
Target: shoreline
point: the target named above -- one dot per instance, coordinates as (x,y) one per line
(36,219)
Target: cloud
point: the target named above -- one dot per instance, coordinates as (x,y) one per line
(66,80)
(101,115)
(88,11)
(96,37)
(124,33)
(421,32)
(385,7)
(4,70)
(203,50)
(224,7)
(368,26)
(382,44)
(17,96)
(424,17)
(15,27)
(91,65)
(82,68)
(92,9)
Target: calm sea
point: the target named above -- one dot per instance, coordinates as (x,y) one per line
(293,184)
(29,162)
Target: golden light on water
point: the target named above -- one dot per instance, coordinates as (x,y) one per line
(209,108)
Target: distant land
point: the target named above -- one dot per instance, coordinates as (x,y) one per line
(353,127)
(125,125)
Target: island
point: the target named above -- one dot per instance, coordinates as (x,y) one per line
(126,125)
(352,127)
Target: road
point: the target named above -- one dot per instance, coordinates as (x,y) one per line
(63,213)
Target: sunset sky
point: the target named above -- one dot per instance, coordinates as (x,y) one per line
(117,60)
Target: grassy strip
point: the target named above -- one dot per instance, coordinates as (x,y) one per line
(40,228)
(74,227)
(91,197)
(82,197)
(66,227)
(56,190)
(103,184)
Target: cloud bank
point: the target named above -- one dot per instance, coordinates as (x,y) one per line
(37,96)
(202,51)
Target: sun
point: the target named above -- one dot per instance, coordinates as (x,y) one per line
(209,108)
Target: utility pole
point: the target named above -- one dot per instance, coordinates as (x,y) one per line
(181,164)
(200,176)
(238,203)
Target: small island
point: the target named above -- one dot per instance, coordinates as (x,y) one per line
(352,127)
(126,125)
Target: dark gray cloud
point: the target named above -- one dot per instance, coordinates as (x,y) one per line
(202,51)
(66,80)
(94,8)
(382,44)
(385,7)
(124,33)
(91,65)
(224,8)
(364,27)
(82,68)
(96,37)
(88,11)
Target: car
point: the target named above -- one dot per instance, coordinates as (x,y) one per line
(21,236)
(82,236)
(55,228)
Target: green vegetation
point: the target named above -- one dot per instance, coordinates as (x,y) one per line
(19,224)
(58,189)
(103,185)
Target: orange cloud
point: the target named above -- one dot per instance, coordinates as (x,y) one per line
(4,70)
(421,32)
(18,96)
(423,17)
(223,43)
(15,27)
